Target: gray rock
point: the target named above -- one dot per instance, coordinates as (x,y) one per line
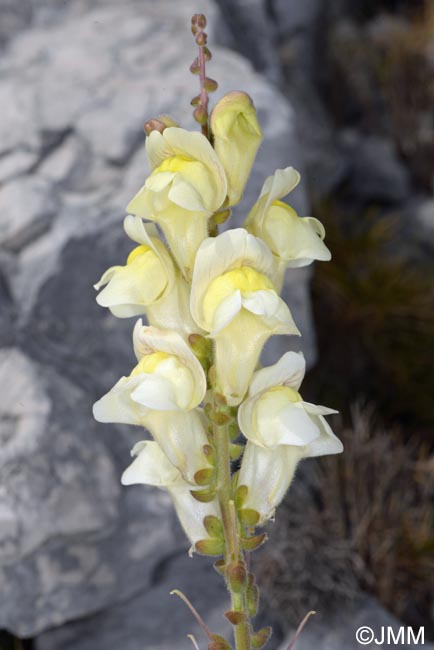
(27,206)
(15,17)
(376,172)
(153,619)
(16,163)
(337,630)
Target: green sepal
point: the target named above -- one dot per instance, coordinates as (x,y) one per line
(260,638)
(252,543)
(204,476)
(213,527)
(219,643)
(210,546)
(209,453)
(233,431)
(203,496)
(248,516)
(235,617)
(240,496)
(252,598)
(220,567)
(235,451)
(236,577)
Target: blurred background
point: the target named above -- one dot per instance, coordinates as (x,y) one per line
(345,93)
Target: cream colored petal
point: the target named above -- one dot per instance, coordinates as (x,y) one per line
(155,392)
(186,196)
(117,405)
(327,443)
(226,312)
(107,276)
(141,233)
(290,425)
(277,186)
(237,350)
(315,409)
(151,467)
(147,340)
(172,311)
(184,232)
(216,255)
(267,475)
(182,437)
(159,181)
(288,371)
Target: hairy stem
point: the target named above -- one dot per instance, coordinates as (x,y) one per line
(233,553)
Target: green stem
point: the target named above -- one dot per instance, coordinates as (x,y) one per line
(232,546)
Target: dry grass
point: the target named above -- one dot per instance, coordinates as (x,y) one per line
(386,71)
(365,520)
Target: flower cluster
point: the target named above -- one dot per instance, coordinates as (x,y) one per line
(211,301)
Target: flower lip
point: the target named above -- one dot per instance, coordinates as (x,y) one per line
(149,340)
(217,256)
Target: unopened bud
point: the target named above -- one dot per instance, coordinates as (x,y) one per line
(236,576)
(201,39)
(154,125)
(210,85)
(199,20)
(220,566)
(200,114)
(209,453)
(195,66)
(196,100)
(200,345)
(260,638)
(235,451)
(207,53)
(240,496)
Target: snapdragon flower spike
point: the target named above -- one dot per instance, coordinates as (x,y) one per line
(149,283)
(233,298)
(281,429)
(151,466)
(162,394)
(237,136)
(294,241)
(186,186)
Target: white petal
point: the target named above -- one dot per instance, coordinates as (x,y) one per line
(191,513)
(186,196)
(267,475)
(139,232)
(327,443)
(117,405)
(182,437)
(288,371)
(155,392)
(226,312)
(151,467)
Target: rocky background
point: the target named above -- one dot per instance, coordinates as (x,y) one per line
(84,563)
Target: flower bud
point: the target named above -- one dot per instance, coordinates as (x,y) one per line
(210,85)
(195,66)
(199,20)
(201,39)
(235,617)
(200,114)
(237,136)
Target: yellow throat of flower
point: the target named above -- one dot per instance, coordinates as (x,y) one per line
(244,279)
(285,393)
(149,363)
(138,252)
(173,164)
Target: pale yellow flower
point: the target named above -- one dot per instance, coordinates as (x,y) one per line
(162,393)
(294,241)
(148,283)
(151,466)
(186,186)
(237,136)
(281,429)
(233,298)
